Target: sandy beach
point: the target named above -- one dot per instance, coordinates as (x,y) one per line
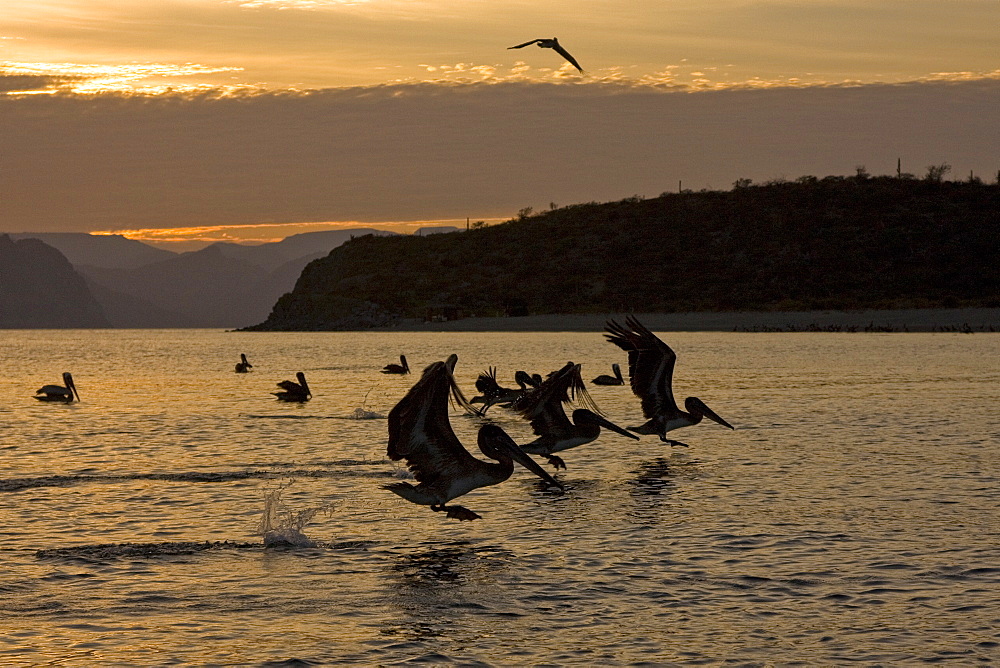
(903,320)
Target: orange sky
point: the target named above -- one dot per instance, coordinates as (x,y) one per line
(152,114)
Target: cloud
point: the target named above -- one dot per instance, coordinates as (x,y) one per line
(34,83)
(449,150)
(144,78)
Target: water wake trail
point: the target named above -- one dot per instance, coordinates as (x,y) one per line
(18,484)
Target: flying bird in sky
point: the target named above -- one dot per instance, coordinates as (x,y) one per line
(551,44)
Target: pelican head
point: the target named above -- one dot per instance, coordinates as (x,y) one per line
(698,408)
(496,444)
(584,416)
(70,385)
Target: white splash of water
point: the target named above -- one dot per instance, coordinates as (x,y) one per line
(281,526)
(363,413)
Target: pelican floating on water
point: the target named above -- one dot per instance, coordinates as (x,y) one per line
(543,408)
(551,44)
(294,391)
(243,366)
(651,371)
(400,368)
(420,432)
(58,392)
(605,379)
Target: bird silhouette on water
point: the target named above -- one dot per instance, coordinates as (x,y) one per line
(58,392)
(292,391)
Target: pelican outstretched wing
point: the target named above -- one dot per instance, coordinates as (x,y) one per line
(521,46)
(543,407)
(420,431)
(650,365)
(565,54)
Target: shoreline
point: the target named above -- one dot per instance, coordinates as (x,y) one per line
(969,320)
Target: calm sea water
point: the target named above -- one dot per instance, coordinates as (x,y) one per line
(853,517)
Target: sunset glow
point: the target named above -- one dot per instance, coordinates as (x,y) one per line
(188,238)
(153,114)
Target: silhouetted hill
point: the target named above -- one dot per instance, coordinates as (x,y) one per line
(832,243)
(438,229)
(40,289)
(100,250)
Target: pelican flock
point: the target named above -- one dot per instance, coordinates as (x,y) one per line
(553,44)
(651,371)
(292,391)
(64,393)
(420,432)
(543,408)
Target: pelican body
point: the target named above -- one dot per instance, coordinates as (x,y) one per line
(543,408)
(553,44)
(292,391)
(243,366)
(58,392)
(401,368)
(651,370)
(420,432)
(605,379)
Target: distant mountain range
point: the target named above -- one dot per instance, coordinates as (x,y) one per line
(119,282)
(40,289)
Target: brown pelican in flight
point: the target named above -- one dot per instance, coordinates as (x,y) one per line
(243,365)
(543,408)
(493,393)
(294,391)
(605,379)
(551,44)
(651,370)
(420,433)
(58,392)
(400,368)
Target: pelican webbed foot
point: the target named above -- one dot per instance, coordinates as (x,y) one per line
(556,462)
(673,443)
(457,512)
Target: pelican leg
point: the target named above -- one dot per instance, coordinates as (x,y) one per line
(673,443)
(556,462)
(457,512)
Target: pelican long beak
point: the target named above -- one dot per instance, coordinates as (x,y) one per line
(71,386)
(507,444)
(709,413)
(608,424)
